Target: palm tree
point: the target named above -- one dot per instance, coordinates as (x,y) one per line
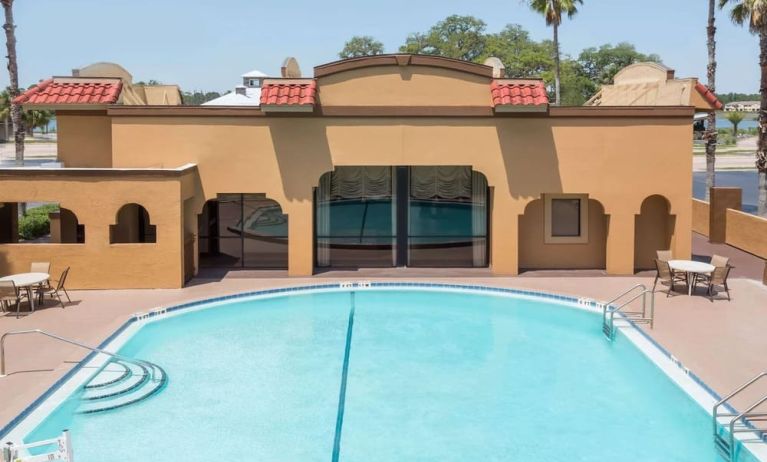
(711,133)
(13,73)
(552,10)
(754,12)
(735,119)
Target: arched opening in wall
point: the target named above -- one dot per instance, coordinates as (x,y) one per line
(243,231)
(563,231)
(653,231)
(132,226)
(39,222)
(384,216)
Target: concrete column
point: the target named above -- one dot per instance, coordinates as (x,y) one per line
(620,243)
(721,200)
(504,235)
(300,239)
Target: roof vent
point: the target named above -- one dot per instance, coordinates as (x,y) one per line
(499,70)
(240,90)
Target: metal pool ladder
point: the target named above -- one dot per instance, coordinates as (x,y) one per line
(645,316)
(752,420)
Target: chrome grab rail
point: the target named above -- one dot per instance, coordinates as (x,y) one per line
(642,286)
(735,418)
(608,312)
(71,342)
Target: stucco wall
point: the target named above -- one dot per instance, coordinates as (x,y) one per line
(700,216)
(747,232)
(95,201)
(404,86)
(84,139)
(618,161)
(535,254)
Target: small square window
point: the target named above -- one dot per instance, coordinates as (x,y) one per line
(565,217)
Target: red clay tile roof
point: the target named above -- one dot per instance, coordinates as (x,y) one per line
(289,93)
(519,93)
(71,92)
(709,96)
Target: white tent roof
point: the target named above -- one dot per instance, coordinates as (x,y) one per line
(255,73)
(252,97)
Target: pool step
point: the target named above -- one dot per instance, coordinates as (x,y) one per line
(112,373)
(135,378)
(120,384)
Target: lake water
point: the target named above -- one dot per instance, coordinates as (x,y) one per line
(744,179)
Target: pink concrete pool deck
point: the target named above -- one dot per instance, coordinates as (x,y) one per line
(723,342)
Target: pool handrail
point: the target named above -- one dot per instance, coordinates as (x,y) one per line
(738,416)
(71,342)
(608,310)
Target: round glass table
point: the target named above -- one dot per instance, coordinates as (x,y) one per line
(690,268)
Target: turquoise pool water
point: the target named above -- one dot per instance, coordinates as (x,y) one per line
(428,376)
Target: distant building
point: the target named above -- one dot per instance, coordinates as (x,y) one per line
(248,93)
(653,84)
(743,106)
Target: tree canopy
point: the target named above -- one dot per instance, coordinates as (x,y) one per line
(459,37)
(364,45)
(465,37)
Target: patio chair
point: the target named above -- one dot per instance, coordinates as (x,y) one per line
(664,255)
(717,278)
(666,276)
(41,267)
(10,294)
(719,261)
(54,292)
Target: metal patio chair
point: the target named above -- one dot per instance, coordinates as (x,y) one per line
(54,292)
(667,276)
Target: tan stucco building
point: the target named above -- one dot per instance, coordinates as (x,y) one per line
(393,160)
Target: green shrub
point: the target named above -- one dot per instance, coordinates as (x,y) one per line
(36,223)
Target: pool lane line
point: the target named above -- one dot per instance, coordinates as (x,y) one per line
(342,393)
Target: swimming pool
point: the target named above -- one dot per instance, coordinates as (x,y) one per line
(393,373)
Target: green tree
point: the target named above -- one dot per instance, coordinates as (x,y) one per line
(361,46)
(522,56)
(35,118)
(459,37)
(754,13)
(735,119)
(602,63)
(552,11)
(197,97)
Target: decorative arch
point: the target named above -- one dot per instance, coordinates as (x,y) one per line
(70,231)
(535,253)
(654,228)
(132,226)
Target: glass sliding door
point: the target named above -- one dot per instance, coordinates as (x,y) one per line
(354,218)
(243,231)
(433,216)
(447,214)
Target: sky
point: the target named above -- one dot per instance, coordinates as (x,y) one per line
(207,45)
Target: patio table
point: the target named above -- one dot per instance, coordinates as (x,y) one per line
(28,281)
(691,268)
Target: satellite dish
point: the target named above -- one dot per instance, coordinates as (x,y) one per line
(290,69)
(499,70)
